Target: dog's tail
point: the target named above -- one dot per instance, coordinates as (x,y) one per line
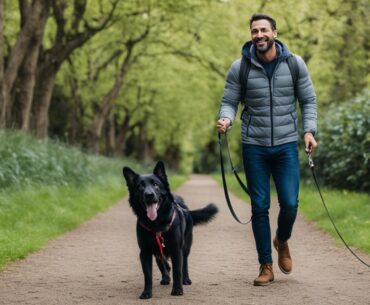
(205,215)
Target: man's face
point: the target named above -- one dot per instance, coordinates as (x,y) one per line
(262,35)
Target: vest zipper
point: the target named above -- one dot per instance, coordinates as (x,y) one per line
(271,115)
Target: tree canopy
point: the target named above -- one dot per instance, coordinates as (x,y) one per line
(145,78)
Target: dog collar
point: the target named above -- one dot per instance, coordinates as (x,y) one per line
(158,235)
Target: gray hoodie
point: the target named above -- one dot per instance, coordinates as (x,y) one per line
(269,117)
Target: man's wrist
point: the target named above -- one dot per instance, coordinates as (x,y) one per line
(312,133)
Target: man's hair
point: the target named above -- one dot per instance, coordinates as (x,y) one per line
(259,16)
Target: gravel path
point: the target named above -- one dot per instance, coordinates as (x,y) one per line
(98,263)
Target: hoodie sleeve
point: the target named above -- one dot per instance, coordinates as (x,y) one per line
(307,98)
(230,99)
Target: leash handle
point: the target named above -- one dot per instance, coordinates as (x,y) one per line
(225,184)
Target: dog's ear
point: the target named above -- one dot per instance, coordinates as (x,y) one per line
(129,175)
(160,171)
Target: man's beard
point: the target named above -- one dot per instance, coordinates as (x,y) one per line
(268,46)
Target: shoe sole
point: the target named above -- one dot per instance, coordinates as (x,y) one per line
(281,269)
(263,284)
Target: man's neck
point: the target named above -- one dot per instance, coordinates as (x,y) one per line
(269,55)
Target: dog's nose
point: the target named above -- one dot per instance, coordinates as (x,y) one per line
(149,196)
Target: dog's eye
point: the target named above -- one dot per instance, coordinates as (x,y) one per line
(155,184)
(141,185)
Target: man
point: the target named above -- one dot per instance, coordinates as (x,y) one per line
(269,135)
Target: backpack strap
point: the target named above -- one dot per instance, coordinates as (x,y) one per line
(294,71)
(245,66)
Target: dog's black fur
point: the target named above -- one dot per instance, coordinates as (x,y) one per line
(154,205)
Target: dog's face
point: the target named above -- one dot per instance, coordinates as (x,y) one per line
(147,192)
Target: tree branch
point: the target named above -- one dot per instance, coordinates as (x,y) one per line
(58,12)
(79,8)
(23,10)
(103,65)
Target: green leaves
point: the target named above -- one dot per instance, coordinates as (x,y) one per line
(172,86)
(344,151)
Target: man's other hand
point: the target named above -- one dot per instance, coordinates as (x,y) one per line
(223,124)
(310,142)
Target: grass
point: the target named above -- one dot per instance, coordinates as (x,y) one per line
(349,210)
(31,217)
(48,188)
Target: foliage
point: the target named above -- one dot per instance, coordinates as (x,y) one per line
(169,97)
(344,152)
(28,161)
(25,161)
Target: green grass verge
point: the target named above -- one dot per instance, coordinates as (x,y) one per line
(48,188)
(29,218)
(350,211)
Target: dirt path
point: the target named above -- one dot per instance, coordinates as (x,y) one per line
(98,264)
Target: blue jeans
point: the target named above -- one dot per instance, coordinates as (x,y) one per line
(280,162)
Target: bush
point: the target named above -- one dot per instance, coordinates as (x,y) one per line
(28,161)
(343,157)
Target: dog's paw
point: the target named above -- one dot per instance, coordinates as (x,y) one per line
(177,291)
(186,281)
(165,281)
(146,295)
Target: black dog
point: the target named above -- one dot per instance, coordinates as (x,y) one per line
(164,227)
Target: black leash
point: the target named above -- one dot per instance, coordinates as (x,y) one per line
(312,166)
(243,186)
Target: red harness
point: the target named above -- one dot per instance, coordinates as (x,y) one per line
(158,235)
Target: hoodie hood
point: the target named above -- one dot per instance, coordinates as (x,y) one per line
(248,50)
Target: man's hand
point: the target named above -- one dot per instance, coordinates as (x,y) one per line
(310,142)
(223,124)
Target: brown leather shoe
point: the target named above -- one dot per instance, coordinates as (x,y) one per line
(284,259)
(266,275)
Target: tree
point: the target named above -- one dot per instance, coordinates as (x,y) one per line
(31,16)
(105,108)
(27,72)
(67,39)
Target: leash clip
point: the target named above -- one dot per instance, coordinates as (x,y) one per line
(310,160)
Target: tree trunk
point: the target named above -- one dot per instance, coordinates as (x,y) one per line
(77,110)
(122,136)
(110,144)
(52,59)
(2,83)
(42,98)
(27,74)
(101,116)
(16,57)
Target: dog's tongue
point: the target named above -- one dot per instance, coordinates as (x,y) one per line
(151,211)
